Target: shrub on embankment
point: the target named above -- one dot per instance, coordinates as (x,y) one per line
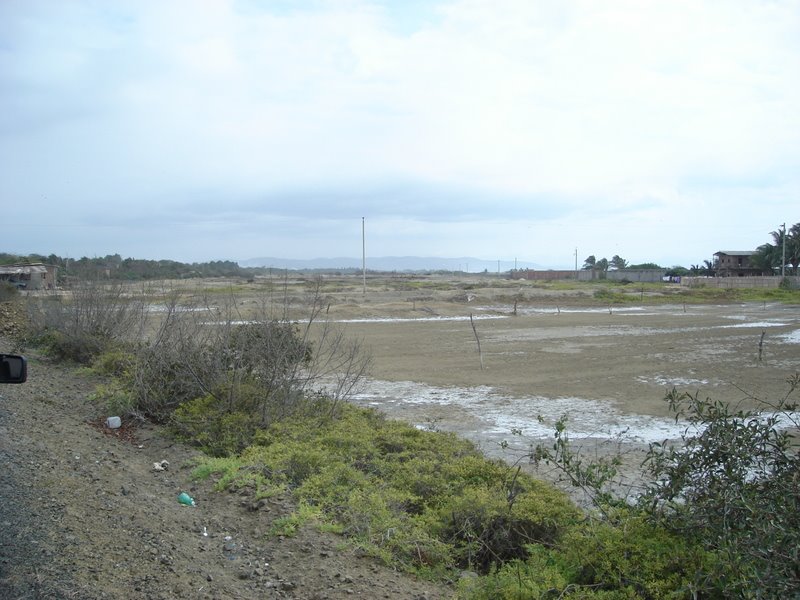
(431,503)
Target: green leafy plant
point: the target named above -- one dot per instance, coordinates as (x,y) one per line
(8,291)
(427,501)
(732,485)
(725,498)
(595,476)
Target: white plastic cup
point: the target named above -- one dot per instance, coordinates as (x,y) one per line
(113,422)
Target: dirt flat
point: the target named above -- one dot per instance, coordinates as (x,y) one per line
(628,357)
(546,350)
(607,368)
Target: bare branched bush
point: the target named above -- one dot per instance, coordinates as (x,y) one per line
(220,375)
(92,319)
(339,363)
(216,373)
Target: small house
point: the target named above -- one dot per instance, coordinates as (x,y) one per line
(736,263)
(36,276)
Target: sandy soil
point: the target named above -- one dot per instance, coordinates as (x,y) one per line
(627,358)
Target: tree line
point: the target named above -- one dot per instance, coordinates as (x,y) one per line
(114,267)
(617,263)
(768,257)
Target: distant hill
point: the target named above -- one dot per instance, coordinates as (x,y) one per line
(389,263)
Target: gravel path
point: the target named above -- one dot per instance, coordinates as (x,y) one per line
(83,514)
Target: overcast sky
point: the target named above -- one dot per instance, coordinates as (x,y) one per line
(500,129)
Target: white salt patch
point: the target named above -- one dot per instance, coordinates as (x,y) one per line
(672,381)
(418,319)
(793,337)
(496,415)
(535,415)
(761,324)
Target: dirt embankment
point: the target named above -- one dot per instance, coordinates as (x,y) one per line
(84,514)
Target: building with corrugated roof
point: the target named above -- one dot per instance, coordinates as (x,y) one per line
(35,276)
(736,263)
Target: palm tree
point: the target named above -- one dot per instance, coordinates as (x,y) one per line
(767,258)
(618,262)
(793,247)
(777,237)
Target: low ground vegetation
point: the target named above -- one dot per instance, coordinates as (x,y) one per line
(265,400)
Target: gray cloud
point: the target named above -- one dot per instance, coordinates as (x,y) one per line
(463,127)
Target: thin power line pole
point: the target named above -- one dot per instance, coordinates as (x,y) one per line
(364,256)
(576,264)
(783,261)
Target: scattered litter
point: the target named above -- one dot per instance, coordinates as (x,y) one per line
(186,499)
(230,548)
(161,466)
(113,422)
(205,532)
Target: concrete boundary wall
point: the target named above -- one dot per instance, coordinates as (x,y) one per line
(640,275)
(740,282)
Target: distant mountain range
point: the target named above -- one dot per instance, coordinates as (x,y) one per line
(390,263)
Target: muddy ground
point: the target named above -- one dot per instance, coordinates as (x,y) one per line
(85,515)
(607,367)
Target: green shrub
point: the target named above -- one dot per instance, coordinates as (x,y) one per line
(80,348)
(116,362)
(264,367)
(8,291)
(331,488)
(733,487)
(164,380)
(117,397)
(629,554)
(540,575)
(609,296)
(719,516)
(420,499)
(486,528)
(376,520)
(208,423)
(288,525)
(625,557)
